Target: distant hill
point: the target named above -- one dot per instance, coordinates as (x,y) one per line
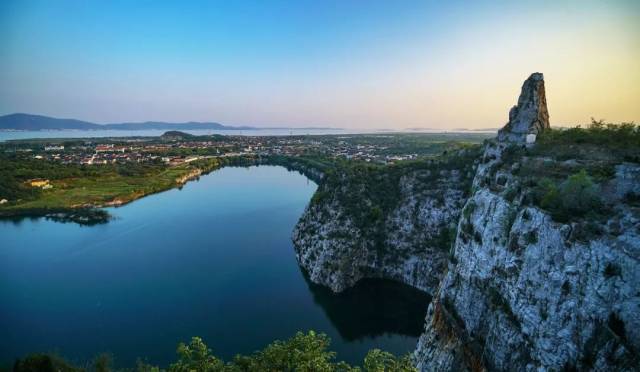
(39,122)
(176,135)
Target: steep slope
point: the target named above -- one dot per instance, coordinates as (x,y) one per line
(543,269)
(391,222)
(536,282)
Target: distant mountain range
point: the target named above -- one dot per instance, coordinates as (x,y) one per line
(39,122)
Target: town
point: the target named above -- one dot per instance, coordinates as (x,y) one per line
(174,148)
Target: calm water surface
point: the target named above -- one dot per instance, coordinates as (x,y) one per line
(16,135)
(214,259)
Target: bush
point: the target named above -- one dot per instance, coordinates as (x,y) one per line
(579,194)
(598,141)
(381,361)
(576,196)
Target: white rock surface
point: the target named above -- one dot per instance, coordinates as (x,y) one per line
(542,303)
(337,254)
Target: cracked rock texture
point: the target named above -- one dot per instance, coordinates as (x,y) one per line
(530,115)
(523,292)
(404,246)
(513,290)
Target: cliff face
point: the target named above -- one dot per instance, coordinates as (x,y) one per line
(525,292)
(532,294)
(543,269)
(356,232)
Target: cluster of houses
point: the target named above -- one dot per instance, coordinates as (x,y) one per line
(179,151)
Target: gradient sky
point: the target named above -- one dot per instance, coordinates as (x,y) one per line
(353,64)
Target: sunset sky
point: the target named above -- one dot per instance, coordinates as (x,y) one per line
(352,64)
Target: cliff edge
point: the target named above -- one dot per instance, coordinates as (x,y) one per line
(545,268)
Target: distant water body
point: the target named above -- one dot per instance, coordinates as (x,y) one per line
(213,259)
(14,135)
(17,135)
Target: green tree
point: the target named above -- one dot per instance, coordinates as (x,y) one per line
(382,361)
(196,357)
(304,352)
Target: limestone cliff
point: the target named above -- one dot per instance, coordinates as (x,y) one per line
(525,291)
(543,269)
(396,222)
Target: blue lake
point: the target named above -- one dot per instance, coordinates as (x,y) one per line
(214,259)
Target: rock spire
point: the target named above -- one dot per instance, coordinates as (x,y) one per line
(530,115)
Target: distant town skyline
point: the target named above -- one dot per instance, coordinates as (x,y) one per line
(348,64)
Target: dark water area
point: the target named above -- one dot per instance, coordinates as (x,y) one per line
(373,308)
(213,259)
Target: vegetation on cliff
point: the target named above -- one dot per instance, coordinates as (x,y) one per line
(567,170)
(368,193)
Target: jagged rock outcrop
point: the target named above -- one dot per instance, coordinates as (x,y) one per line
(524,292)
(530,115)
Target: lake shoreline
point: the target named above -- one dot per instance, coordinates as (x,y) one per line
(90,214)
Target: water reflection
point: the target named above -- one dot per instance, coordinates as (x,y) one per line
(373,307)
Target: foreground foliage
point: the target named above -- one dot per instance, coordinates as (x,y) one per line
(304,352)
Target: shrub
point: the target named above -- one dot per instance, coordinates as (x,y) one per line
(579,194)
(381,361)
(598,141)
(575,197)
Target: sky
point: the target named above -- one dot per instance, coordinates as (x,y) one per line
(352,64)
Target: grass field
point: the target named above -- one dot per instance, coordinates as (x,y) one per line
(102,189)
